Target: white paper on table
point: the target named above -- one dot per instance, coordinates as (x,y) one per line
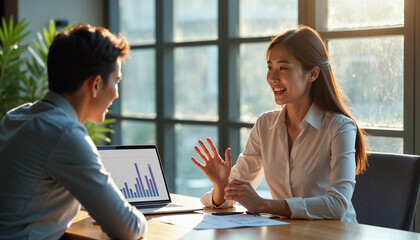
(200,222)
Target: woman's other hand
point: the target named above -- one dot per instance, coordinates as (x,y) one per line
(243,193)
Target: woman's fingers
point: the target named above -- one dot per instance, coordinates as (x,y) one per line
(236,188)
(234,192)
(204,149)
(237,181)
(242,192)
(198,164)
(236,185)
(200,154)
(228,157)
(212,147)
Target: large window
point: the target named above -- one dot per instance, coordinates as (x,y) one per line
(366,48)
(197,70)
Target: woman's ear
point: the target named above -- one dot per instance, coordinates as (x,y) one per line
(314,73)
(94,85)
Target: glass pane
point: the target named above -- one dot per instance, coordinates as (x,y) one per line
(196,83)
(266,17)
(371,72)
(138,94)
(385,144)
(256,96)
(137,21)
(364,14)
(190,180)
(138,132)
(195,20)
(262,189)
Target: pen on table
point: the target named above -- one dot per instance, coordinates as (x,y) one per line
(247,212)
(270,216)
(225,213)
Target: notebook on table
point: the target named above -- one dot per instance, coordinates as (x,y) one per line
(137,171)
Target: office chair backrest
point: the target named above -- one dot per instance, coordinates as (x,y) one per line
(386,194)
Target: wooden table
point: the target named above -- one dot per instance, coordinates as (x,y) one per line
(83,228)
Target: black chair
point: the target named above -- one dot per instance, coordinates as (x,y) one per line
(386,194)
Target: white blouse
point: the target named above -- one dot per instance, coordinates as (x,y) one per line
(318,178)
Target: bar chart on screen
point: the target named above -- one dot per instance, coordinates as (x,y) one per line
(143,187)
(137,173)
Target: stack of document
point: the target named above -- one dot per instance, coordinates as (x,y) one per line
(200,221)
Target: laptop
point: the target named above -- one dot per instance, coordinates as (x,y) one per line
(138,173)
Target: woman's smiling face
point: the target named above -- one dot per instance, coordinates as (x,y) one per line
(286,77)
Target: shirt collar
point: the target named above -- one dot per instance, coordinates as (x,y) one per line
(313,118)
(61,102)
(281,119)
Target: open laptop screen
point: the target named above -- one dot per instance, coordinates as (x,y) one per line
(138,173)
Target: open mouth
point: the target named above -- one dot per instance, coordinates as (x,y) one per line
(107,109)
(279,90)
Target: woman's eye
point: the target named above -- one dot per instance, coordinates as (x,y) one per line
(283,68)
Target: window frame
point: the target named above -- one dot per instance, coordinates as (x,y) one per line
(407,31)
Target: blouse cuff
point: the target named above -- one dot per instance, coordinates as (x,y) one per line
(297,207)
(207,200)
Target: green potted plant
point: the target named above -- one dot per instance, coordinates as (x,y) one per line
(26,79)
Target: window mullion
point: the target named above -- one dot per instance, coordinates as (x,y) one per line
(164,134)
(409,77)
(416,79)
(306,15)
(223,59)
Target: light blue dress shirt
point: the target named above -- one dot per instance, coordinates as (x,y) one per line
(48,166)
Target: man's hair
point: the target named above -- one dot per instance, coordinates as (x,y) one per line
(81,52)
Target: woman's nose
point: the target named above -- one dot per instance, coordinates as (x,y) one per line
(275,76)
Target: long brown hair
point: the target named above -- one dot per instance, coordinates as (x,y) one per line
(307,47)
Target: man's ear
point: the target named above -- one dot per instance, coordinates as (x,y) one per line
(94,85)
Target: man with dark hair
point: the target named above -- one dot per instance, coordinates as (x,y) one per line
(48,163)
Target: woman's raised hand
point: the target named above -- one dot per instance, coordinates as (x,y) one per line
(215,168)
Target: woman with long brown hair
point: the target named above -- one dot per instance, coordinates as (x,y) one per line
(309,151)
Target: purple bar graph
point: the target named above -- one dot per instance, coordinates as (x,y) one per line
(153,179)
(123,191)
(139,190)
(148,186)
(139,179)
(153,190)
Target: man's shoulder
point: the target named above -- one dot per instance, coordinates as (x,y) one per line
(36,110)
(54,118)
(41,119)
